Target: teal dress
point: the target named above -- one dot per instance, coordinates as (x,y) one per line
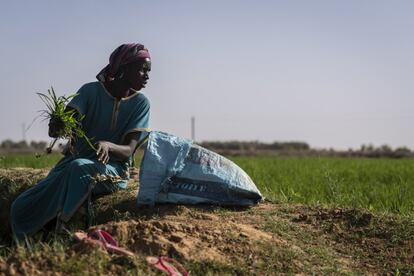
(73,179)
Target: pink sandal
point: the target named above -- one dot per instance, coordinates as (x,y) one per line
(167,265)
(103,238)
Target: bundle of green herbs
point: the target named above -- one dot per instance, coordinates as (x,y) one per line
(65,120)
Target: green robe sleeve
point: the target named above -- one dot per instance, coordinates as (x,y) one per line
(80,101)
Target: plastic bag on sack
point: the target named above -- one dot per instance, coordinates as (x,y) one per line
(175,170)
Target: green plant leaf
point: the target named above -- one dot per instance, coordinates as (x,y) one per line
(56,109)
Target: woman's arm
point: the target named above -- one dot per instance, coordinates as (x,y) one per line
(118,152)
(104,148)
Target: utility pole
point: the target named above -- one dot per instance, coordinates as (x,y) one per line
(24,131)
(193,128)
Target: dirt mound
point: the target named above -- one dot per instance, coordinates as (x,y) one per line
(377,240)
(203,237)
(12,183)
(266,239)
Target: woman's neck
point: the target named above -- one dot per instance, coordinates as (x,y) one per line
(118,89)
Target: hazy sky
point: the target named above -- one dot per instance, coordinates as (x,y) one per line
(330,73)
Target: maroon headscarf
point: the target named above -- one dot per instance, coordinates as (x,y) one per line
(124,54)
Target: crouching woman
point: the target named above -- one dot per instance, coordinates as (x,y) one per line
(115,115)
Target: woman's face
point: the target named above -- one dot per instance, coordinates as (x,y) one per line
(136,74)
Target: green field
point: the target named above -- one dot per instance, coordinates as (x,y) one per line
(380,185)
(29,160)
(383,185)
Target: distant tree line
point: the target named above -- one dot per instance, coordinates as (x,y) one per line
(255,145)
(381,151)
(22,146)
(303,149)
(252,148)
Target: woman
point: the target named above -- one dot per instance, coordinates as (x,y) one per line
(115,116)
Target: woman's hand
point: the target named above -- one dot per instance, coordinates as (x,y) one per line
(103,149)
(118,152)
(55,127)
